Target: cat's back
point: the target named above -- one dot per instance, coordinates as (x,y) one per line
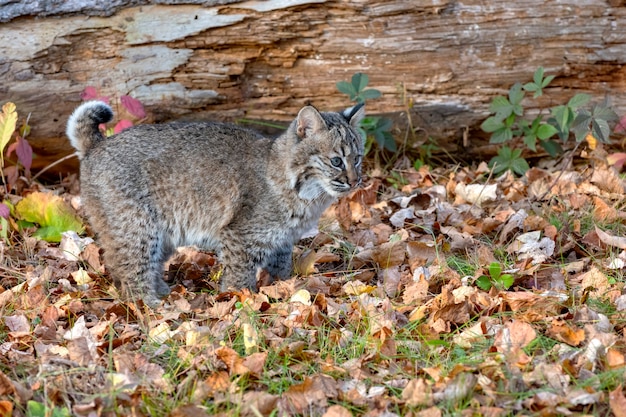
(181,141)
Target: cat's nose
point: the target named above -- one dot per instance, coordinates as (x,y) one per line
(354,181)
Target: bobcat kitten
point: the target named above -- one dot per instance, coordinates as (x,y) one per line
(153,188)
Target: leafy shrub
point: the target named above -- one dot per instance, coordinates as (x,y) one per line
(49,213)
(508,123)
(371,126)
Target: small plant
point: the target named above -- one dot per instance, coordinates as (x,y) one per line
(371,126)
(21,147)
(508,123)
(133,108)
(49,213)
(37,409)
(495,278)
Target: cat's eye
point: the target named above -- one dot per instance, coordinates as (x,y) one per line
(337,162)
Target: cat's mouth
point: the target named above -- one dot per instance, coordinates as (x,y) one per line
(341,188)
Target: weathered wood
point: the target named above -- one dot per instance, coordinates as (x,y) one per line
(265,59)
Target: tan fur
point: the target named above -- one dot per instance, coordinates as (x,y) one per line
(153,188)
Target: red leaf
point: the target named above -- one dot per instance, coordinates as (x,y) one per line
(89,93)
(11,148)
(4,211)
(134,106)
(621,126)
(616,159)
(121,125)
(24,153)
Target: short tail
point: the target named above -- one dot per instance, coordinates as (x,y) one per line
(82,126)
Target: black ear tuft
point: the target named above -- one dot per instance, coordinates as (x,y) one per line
(354,114)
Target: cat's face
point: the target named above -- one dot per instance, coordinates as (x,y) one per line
(331,152)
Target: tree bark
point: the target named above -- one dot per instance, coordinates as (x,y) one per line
(438,62)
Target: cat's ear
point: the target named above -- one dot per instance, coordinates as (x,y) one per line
(309,121)
(355,114)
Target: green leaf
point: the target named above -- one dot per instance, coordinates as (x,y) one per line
(347,88)
(53,214)
(578,100)
(604,113)
(562,115)
(506,280)
(501,107)
(546,131)
(491,124)
(495,269)
(516,94)
(531,87)
(601,130)
(519,166)
(547,81)
(552,147)
(538,76)
(501,135)
(35,409)
(581,123)
(390,143)
(360,81)
(483,282)
(530,140)
(370,93)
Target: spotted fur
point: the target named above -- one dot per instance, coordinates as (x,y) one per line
(153,188)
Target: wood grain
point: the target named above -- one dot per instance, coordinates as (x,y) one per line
(442,61)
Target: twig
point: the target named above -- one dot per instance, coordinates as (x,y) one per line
(53,164)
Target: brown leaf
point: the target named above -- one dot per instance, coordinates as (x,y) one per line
(389,254)
(566,333)
(232,360)
(312,392)
(217,382)
(602,212)
(255,363)
(6,386)
(6,408)
(514,336)
(256,403)
(188,410)
(337,411)
(417,393)
(614,358)
(415,292)
(390,278)
(343,213)
(607,238)
(608,180)
(617,402)
(433,411)
(18,325)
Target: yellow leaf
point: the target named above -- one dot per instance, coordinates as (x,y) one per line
(250,338)
(591,140)
(301,296)
(357,288)
(8,120)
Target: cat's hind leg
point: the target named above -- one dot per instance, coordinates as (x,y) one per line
(278,263)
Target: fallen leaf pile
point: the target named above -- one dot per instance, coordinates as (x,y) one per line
(384,316)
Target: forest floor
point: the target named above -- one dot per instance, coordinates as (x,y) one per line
(432,292)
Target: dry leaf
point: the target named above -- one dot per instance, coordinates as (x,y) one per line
(617,402)
(417,393)
(564,332)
